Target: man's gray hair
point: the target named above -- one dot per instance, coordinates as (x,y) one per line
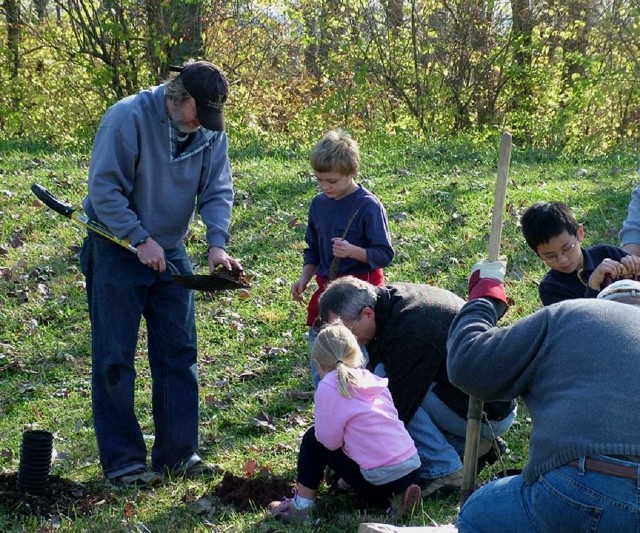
(347,297)
(174,90)
(174,87)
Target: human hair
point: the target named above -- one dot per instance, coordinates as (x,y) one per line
(174,87)
(336,151)
(336,347)
(346,297)
(545,220)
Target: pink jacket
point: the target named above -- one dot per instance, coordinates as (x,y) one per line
(366,425)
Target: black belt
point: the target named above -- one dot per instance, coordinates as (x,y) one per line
(610,469)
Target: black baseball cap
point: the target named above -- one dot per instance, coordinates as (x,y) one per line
(209,88)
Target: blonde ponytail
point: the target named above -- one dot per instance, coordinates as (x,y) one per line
(336,347)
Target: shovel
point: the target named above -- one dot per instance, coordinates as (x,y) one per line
(216,281)
(474,411)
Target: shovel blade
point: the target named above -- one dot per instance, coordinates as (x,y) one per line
(208,283)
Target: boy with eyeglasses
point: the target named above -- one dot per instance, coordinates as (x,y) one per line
(552,231)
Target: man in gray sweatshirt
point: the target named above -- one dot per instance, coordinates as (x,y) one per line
(157,156)
(576,366)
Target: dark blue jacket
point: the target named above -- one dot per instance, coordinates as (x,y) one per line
(558,286)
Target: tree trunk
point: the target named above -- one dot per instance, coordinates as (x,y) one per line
(184,26)
(12,12)
(393,11)
(155,36)
(522,28)
(41,9)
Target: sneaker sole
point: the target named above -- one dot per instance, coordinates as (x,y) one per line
(411,500)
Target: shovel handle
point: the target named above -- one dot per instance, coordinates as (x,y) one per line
(475,408)
(67,210)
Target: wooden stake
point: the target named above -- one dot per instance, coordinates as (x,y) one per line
(474,411)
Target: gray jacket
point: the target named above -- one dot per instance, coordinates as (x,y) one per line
(576,364)
(137,187)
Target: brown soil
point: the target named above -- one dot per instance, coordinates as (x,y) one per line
(62,497)
(242,493)
(71,499)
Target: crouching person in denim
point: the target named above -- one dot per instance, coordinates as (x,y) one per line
(404,328)
(576,365)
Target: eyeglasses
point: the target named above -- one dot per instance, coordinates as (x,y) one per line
(564,252)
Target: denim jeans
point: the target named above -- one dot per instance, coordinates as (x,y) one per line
(566,499)
(455,427)
(120,291)
(315,376)
(438,456)
(440,434)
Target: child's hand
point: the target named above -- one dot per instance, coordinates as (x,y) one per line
(341,247)
(297,289)
(632,265)
(608,267)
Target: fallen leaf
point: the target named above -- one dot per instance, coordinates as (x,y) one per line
(250,468)
(26,387)
(247,374)
(16,241)
(263,420)
(129,510)
(300,394)
(204,505)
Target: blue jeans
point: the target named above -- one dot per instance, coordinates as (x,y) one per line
(440,434)
(455,427)
(439,458)
(315,376)
(120,291)
(566,499)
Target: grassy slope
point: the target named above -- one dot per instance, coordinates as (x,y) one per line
(252,351)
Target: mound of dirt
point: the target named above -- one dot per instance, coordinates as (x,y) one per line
(62,497)
(72,499)
(243,492)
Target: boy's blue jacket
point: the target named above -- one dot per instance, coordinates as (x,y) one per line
(558,286)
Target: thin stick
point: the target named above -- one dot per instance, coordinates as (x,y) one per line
(474,412)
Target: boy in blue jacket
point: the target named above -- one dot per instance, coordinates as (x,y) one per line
(552,231)
(347,231)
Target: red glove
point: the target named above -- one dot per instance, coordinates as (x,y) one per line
(487,281)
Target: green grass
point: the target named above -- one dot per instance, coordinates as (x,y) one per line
(252,351)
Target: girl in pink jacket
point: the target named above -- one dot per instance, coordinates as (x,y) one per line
(357,434)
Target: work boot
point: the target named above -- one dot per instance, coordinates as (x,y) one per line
(442,485)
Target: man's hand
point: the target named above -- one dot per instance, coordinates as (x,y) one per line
(487,280)
(151,254)
(218,256)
